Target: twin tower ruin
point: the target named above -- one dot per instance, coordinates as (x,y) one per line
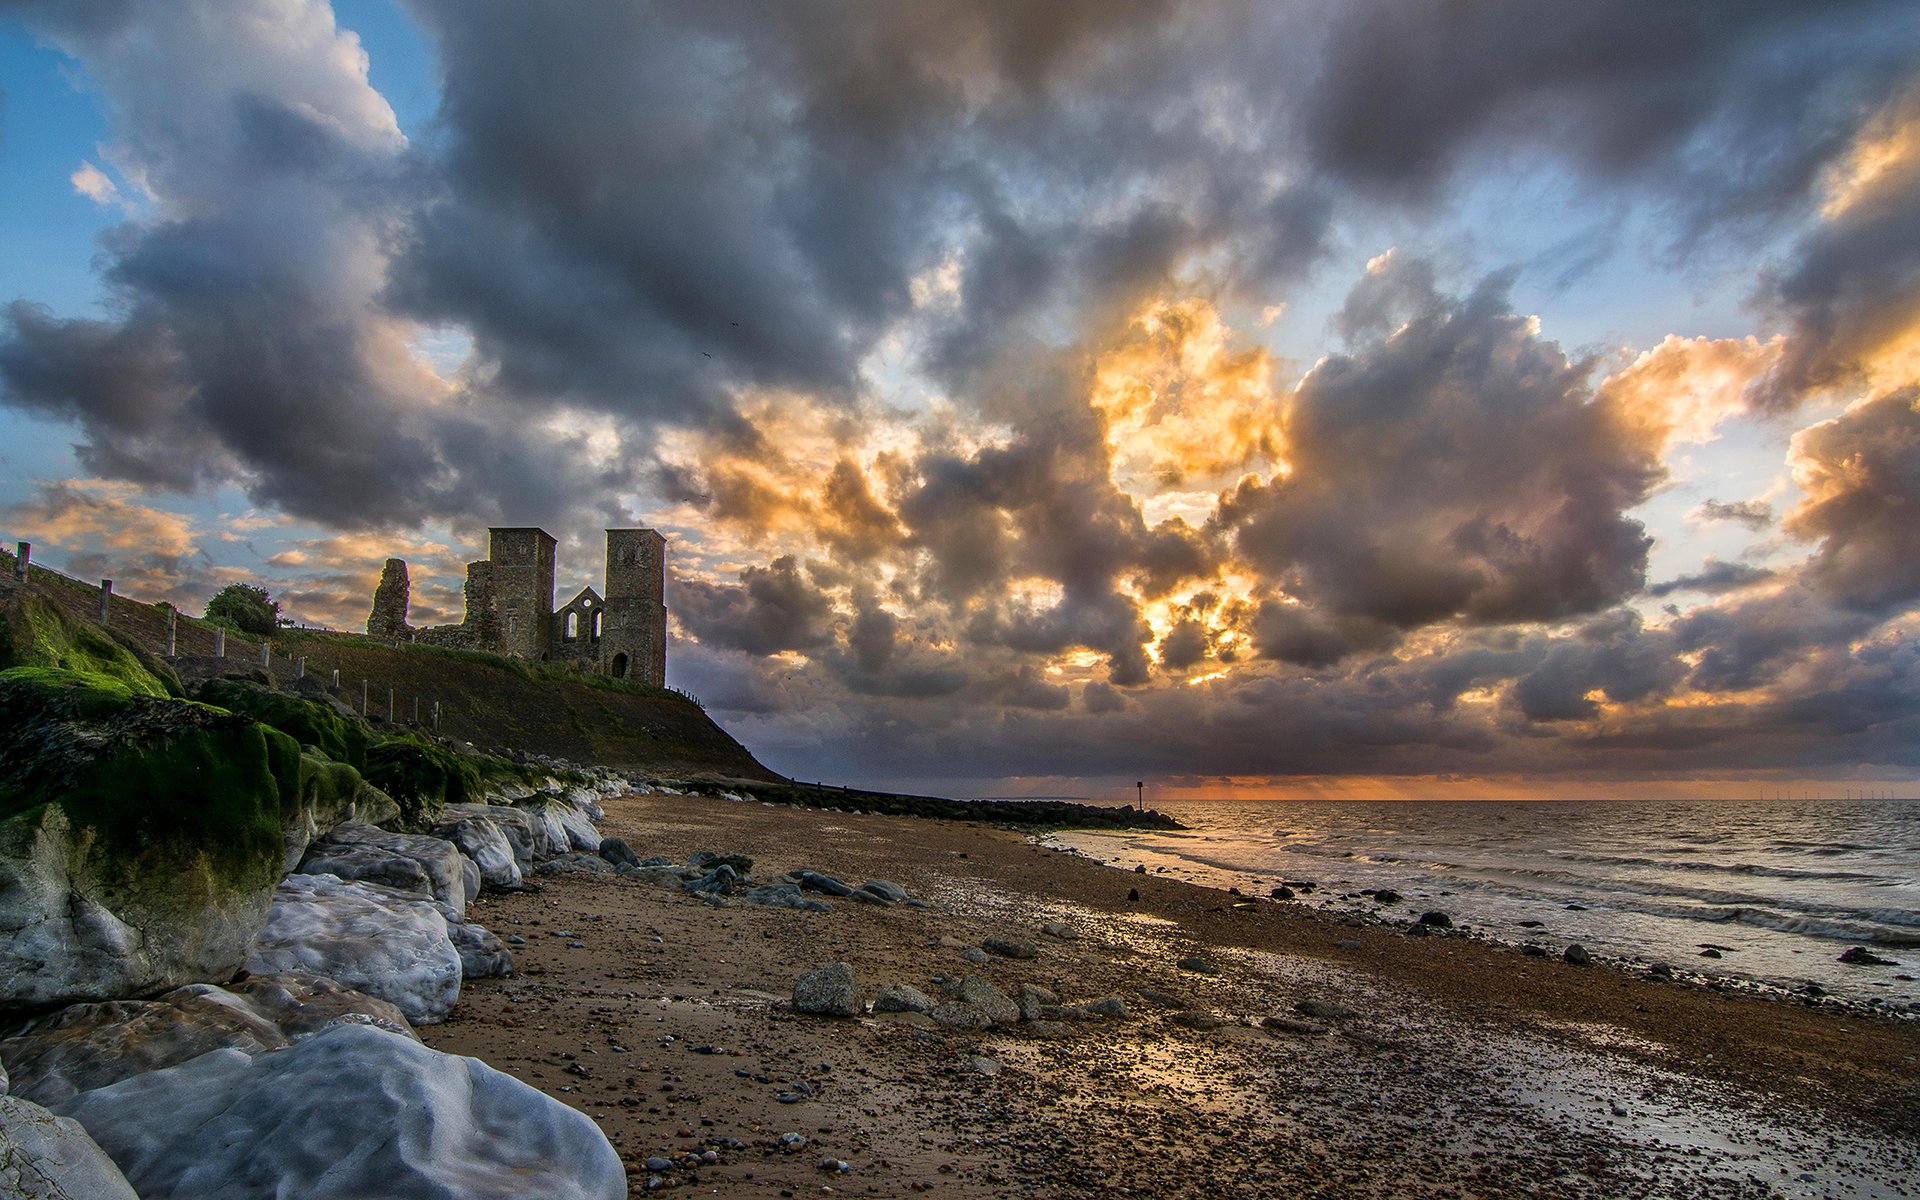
(510,606)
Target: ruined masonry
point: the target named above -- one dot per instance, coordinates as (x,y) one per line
(510,606)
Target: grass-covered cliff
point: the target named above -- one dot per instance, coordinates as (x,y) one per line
(505,704)
(498,704)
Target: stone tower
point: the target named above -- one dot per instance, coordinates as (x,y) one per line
(634,642)
(388,620)
(521,571)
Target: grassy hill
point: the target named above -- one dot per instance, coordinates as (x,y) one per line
(498,704)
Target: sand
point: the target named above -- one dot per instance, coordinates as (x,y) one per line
(1459,1069)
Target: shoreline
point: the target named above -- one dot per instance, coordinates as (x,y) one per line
(1450,1065)
(1346,908)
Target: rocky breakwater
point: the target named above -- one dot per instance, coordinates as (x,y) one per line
(217,933)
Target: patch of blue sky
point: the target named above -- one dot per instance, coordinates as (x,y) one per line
(49,126)
(401,64)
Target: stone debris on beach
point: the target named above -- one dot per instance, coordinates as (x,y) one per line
(900,997)
(1009,947)
(485,843)
(1324,1010)
(431,866)
(829,991)
(1860,956)
(1198,965)
(1034,1001)
(1577,955)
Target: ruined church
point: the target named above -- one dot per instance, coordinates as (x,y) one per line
(510,610)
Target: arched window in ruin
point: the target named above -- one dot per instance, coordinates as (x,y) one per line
(573,626)
(598,624)
(620,666)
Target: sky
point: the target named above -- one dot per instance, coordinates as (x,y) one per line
(1374,398)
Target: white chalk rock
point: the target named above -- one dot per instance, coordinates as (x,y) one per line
(85,1046)
(44,1157)
(409,861)
(515,825)
(561,826)
(350,1114)
(485,843)
(373,939)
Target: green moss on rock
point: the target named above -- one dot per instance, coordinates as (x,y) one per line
(421,776)
(33,633)
(309,722)
(153,823)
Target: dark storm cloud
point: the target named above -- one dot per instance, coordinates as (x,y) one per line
(1862,477)
(1850,291)
(1714,578)
(773,608)
(1732,106)
(1610,655)
(1753,514)
(1459,467)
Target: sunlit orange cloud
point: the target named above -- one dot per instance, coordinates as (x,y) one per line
(100,514)
(807,475)
(1682,389)
(1181,404)
(1882,170)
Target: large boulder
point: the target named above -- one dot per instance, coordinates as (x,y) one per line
(410,862)
(140,838)
(87,1046)
(421,776)
(354,1112)
(311,722)
(515,825)
(484,842)
(386,943)
(331,794)
(482,955)
(559,826)
(44,1157)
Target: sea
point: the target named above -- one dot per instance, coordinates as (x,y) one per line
(1747,894)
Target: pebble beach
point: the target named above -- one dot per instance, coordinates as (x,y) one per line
(1063,1028)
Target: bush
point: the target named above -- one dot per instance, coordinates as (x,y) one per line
(245,608)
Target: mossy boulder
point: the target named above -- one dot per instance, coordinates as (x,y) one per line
(421,776)
(331,794)
(140,837)
(342,738)
(33,633)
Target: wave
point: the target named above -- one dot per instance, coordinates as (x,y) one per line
(1770,872)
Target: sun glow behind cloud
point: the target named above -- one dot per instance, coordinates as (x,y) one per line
(1017,398)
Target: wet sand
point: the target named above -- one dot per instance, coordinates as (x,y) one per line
(1462,1069)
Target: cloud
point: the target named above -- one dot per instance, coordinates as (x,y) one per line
(1849,293)
(1729,108)
(1861,475)
(773,608)
(947,341)
(1457,466)
(1755,515)
(90,181)
(1714,578)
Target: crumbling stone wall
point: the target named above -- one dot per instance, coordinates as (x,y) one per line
(509,598)
(388,621)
